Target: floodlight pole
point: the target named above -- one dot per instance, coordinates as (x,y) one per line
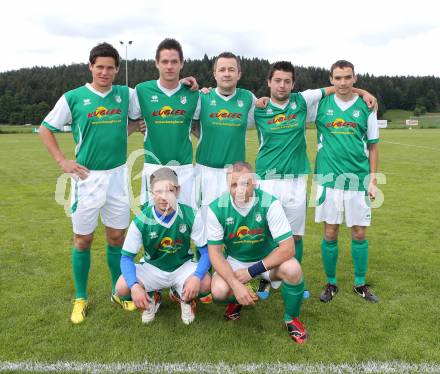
(130,42)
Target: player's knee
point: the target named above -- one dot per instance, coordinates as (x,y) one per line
(219,289)
(358,233)
(290,271)
(121,288)
(115,237)
(331,232)
(205,284)
(83,242)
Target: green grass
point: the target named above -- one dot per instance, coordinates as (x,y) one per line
(16,129)
(36,281)
(397,117)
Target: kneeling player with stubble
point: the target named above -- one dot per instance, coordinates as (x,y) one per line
(252,228)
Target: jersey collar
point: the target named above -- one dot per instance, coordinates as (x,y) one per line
(167,91)
(101,94)
(225,98)
(244,211)
(171,222)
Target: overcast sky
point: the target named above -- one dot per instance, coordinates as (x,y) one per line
(380,37)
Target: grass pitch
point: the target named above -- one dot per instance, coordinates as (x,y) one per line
(37,288)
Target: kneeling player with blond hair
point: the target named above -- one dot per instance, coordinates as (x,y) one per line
(252,228)
(165,231)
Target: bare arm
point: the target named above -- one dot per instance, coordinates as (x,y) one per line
(374,165)
(222,267)
(135,126)
(68,166)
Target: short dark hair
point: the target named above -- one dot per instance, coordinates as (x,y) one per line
(169,43)
(227,55)
(104,50)
(341,64)
(283,66)
(164,174)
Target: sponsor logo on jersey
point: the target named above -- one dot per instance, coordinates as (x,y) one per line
(213,103)
(103,112)
(269,111)
(154,99)
(281,118)
(168,111)
(153,235)
(240,103)
(246,233)
(183,99)
(86,102)
(330,112)
(293,106)
(356,113)
(168,245)
(339,122)
(230,221)
(118,99)
(223,113)
(182,228)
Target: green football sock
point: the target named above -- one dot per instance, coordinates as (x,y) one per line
(292,295)
(80,268)
(114,263)
(359,254)
(299,249)
(329,250)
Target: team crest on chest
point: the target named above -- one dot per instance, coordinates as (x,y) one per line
(213,103)
(86,102)
(330,112)
(118,99)
(154,99)
(229,221)
(183,100)
(153,235)
(293,106)
(258,217)
(240,103)
(182,228)
(356,113)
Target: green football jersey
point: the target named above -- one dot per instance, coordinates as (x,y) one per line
(223,126)
(246,238)
(281,133)
(168,120)
(99,126)
(166,246)
(342,159)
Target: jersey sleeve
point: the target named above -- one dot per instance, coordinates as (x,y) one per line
(134,108)
(59,116)
(372,129)
(251,119)
(133,103)
(214,230)
(312,98)
(196,115)
(198,232)
(133,240)
(278,224)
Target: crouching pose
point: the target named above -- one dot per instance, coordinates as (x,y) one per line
(252,228)
(165,231)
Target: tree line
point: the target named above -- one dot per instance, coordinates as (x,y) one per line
(27,95)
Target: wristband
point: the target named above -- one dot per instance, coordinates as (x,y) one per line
(256,269)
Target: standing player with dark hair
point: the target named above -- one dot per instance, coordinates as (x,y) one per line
(222,117)
(168,107)
(98,113)
(346,167)
(282,162)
